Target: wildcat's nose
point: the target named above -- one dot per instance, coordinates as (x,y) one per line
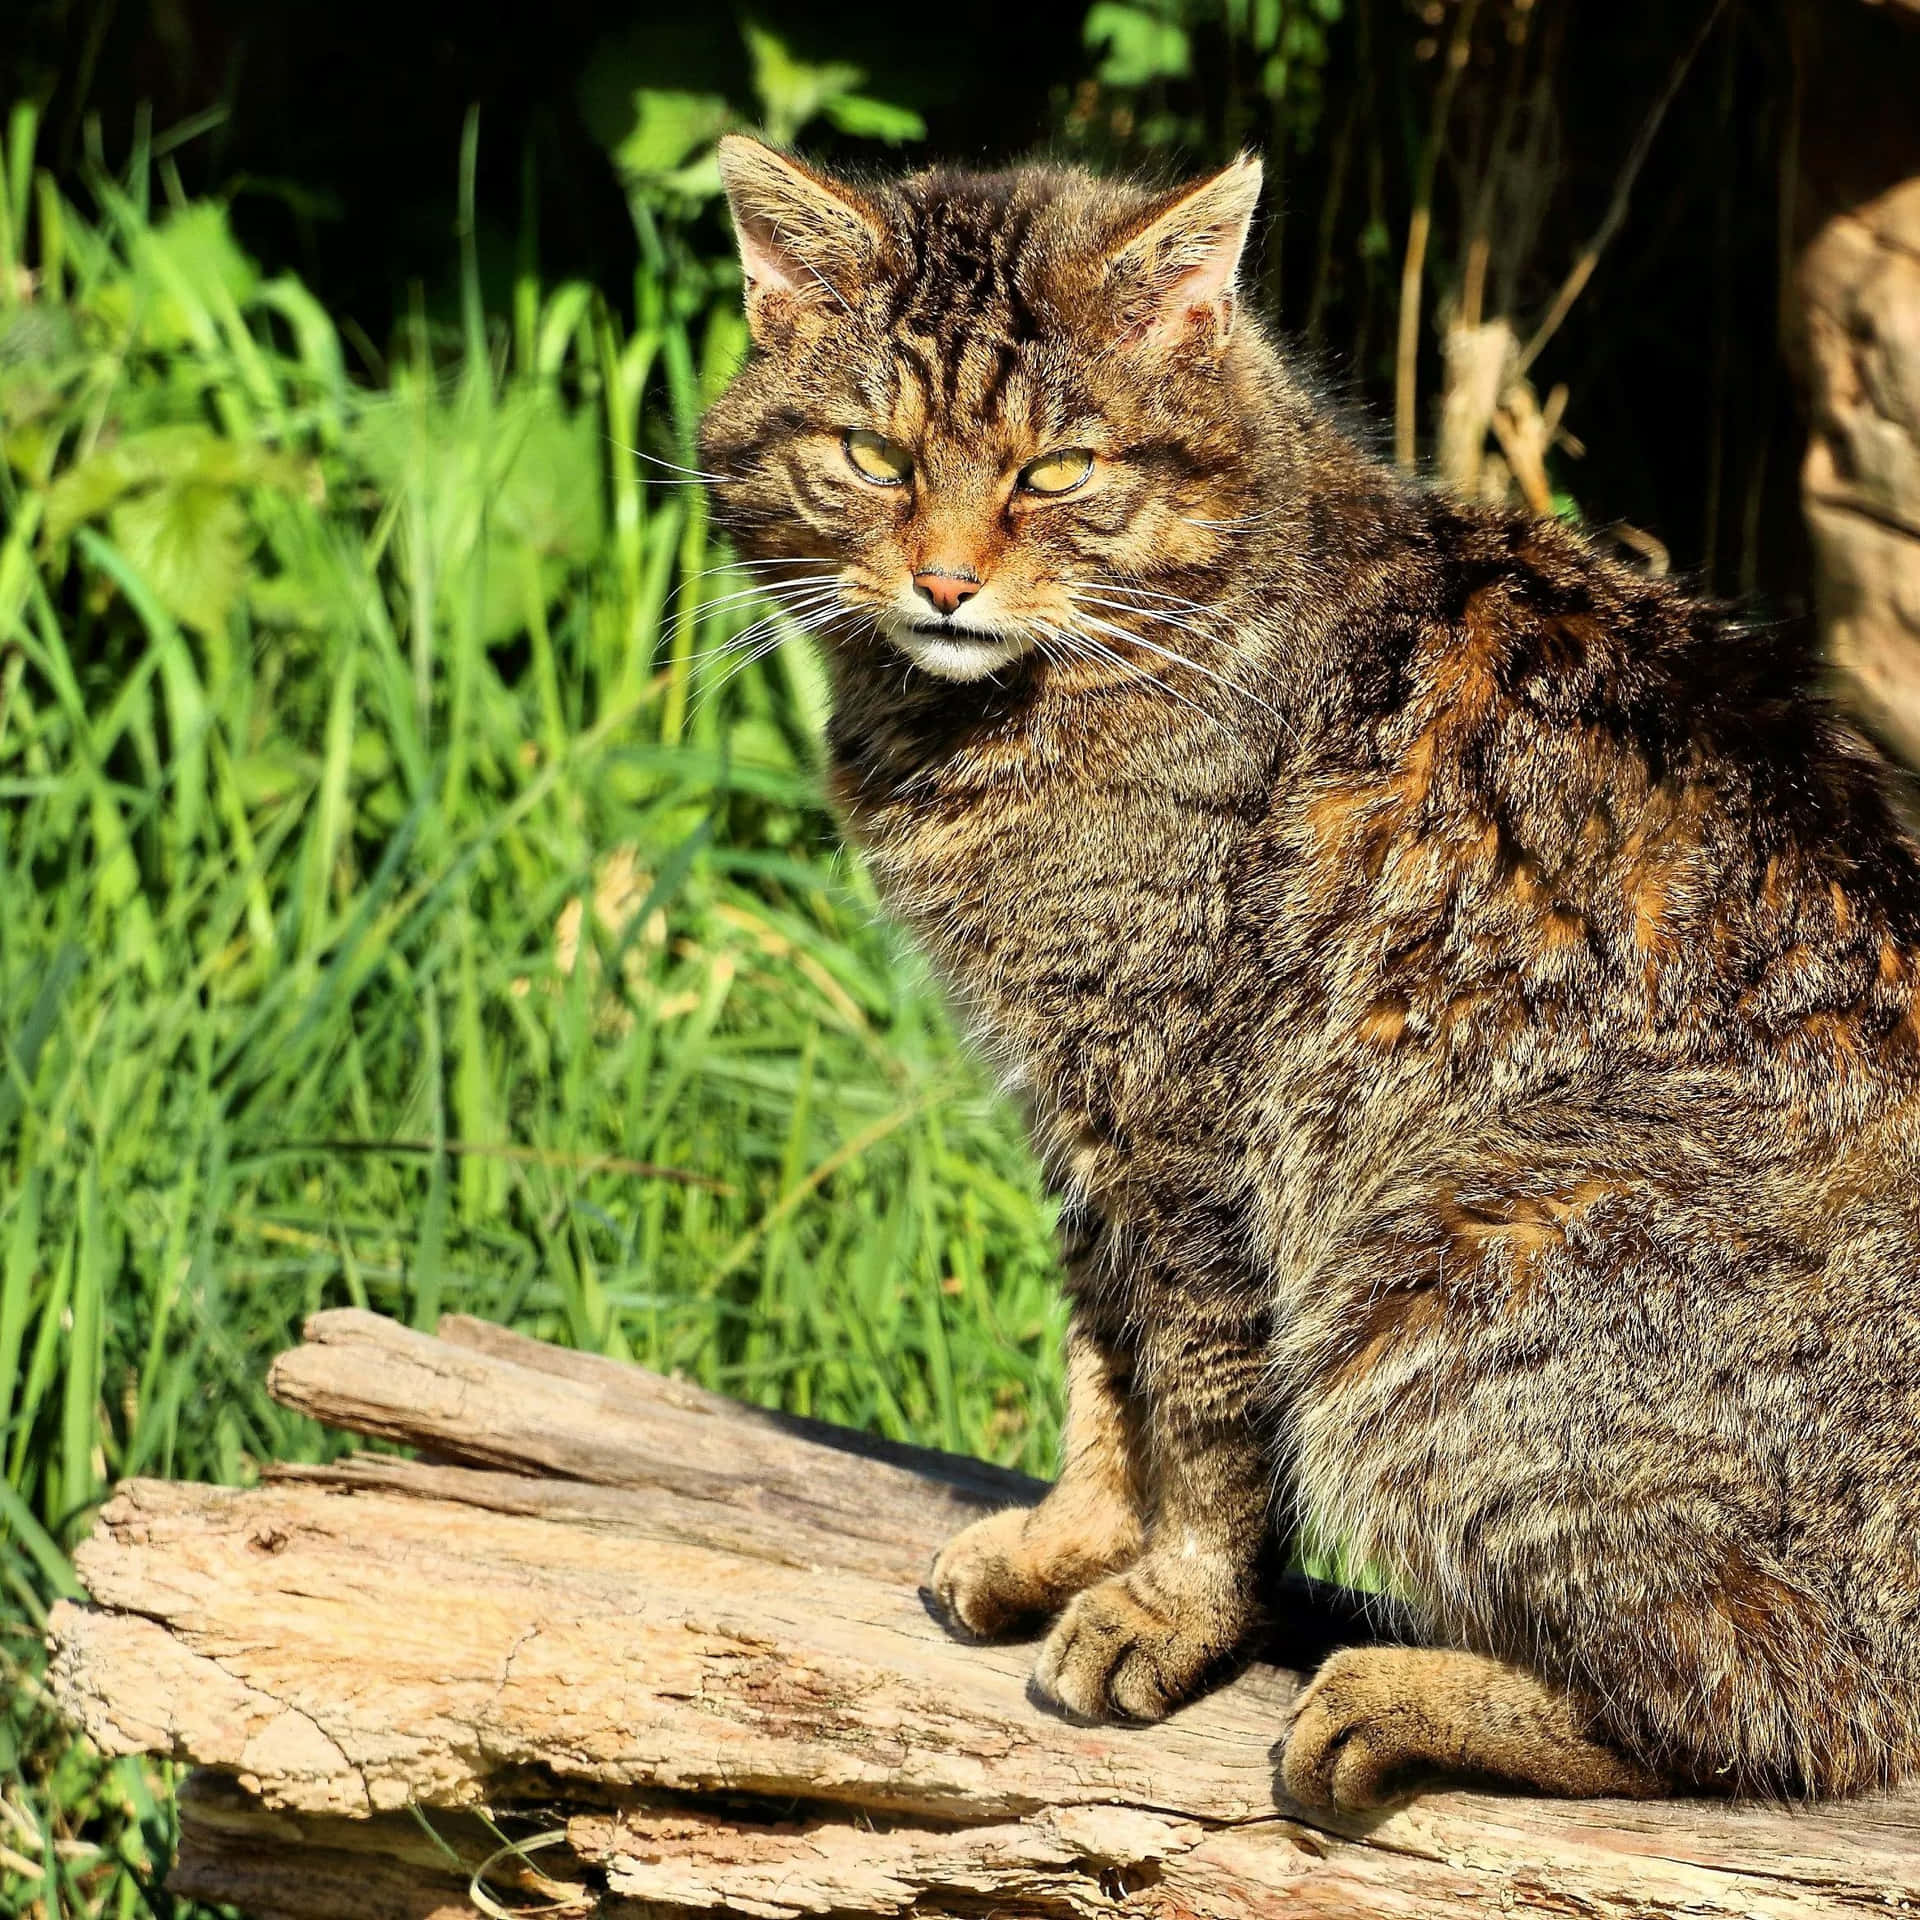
(944,591)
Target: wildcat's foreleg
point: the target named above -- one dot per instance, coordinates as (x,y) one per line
(1028,1561)
(1140,1642)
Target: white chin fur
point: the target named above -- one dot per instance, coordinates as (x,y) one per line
(959,656)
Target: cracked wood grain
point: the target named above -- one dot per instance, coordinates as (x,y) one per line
(683,1640)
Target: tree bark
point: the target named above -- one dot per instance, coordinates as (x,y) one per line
(616,1646)
(1852,331)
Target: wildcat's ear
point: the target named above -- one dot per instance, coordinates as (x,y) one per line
(1179,262)
(805,240)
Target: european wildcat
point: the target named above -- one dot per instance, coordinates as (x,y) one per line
(1466,996)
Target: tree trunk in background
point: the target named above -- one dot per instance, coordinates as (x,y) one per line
(1853,327)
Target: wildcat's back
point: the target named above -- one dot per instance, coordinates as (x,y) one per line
(1464,995)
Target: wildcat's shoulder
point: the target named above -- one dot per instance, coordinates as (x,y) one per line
(1582,814)
(1591,677)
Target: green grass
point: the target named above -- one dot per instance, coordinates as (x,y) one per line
(391,878)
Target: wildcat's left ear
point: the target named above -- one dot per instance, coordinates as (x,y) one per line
(1179,265)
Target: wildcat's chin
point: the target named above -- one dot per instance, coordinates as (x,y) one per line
(952,653)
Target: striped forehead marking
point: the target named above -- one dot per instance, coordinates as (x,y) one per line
(956,319)
(961,385)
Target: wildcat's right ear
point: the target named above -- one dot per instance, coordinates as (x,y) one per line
(805,240)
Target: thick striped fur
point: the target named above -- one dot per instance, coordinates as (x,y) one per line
(1464,992)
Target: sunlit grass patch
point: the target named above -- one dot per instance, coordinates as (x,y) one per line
(399,910)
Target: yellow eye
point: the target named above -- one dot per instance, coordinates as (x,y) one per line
(1058,472)
(878,460)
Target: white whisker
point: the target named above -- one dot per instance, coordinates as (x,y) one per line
(777,591)
(1122,583)
(674,466)
(1147,613)
(795,610)
(1178,659)
(1086,647)
(818,621)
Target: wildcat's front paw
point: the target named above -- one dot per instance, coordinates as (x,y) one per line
(1347,1741)
(1130,1649)
(1015,1567)
(984,1579)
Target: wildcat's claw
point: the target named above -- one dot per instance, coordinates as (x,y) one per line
(981,1578)
(1112,1656)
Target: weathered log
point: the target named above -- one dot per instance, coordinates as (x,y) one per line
(673,1649)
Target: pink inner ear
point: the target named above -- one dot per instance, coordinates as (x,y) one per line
(1210,280)
(767,268)
(1183,263)
(1206,288)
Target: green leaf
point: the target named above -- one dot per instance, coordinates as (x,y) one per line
(699,179)
(189,543)
(550,496)
(167,457)
(869,119)
(196,270)
(791,91)
(668,128)
(1140,48)
(273,773)
(549,500)
(37,337)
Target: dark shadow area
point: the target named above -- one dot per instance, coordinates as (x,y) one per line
(336,130)
(339,121)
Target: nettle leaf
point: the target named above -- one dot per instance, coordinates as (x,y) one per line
(1140,47)
(869,119)
(188,542)
(39,336)
(793,91)
(668,129)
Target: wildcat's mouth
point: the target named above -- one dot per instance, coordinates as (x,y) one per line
(954,653)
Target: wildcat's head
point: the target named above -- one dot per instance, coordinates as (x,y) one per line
(993,415)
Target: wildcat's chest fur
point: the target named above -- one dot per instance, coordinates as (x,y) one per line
(1079,906)
(1272,966)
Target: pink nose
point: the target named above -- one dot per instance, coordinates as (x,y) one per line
(943,591)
